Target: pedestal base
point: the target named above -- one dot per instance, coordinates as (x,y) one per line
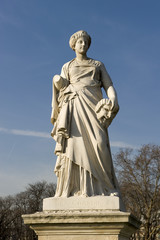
(76,218)
(82,225)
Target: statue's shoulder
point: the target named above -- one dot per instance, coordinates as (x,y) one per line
(65,69)
(67,64)
(95,62)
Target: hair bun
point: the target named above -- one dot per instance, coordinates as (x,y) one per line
(75,36)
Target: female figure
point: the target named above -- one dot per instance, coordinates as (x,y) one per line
(80,117)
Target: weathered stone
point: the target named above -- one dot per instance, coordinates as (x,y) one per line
(82,203)
(82,225)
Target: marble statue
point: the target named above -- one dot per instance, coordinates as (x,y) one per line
(81,116)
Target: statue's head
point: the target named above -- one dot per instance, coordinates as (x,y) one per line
(75,36)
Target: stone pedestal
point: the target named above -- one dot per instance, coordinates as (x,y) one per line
(83,203)
(73,223)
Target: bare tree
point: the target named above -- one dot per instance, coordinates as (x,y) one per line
(12,208)
(36,193)
(6,216)
(139,178)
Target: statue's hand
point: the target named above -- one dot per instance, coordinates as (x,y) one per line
(53,117)
(114,105)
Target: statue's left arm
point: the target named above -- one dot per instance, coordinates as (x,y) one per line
(109,89)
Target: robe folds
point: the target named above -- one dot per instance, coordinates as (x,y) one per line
(84,164)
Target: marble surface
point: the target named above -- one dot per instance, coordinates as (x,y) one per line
(81,117)
(82,225)
(82,203)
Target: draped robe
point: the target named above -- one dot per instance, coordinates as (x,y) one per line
(84,164)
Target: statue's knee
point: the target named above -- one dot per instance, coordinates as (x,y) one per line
(101,144)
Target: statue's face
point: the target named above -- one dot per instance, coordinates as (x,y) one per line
(81,45)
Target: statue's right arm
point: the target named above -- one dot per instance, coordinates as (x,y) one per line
(59,82)
(54,113)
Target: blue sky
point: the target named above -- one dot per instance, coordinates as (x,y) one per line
(34,46)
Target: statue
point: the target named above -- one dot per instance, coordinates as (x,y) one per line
(81,117)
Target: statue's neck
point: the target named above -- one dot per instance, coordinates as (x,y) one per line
(81,57)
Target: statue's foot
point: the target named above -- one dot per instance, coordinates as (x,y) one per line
(114,194)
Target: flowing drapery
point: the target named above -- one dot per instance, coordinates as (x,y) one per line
(84,163)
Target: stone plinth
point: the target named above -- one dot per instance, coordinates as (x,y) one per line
(81,224)
(83,203)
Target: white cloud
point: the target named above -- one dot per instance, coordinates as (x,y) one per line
(123,145)
(25,133)
(117,144)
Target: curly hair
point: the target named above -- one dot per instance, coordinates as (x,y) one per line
(75,36)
